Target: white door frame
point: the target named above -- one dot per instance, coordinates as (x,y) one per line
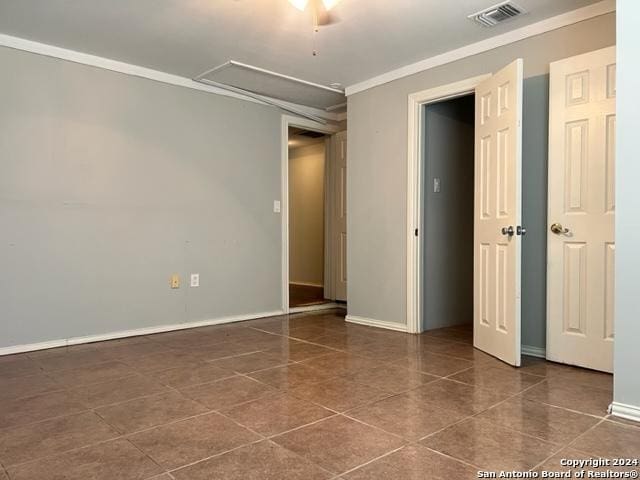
(415,188)
(293,121)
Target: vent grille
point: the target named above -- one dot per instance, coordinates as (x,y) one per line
(496,14)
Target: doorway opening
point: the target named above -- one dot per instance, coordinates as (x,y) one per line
(314,216)
(307,202)
(448,210)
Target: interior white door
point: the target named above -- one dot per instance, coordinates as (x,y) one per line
(581,210)
(340,217)
(497,225)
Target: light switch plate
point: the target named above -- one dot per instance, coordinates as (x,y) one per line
(276,206)
(195,279)
(175,281)
(436,185)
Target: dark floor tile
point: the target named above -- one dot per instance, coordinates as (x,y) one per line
(573,396)
(70,359)
(342,363)
(21,444)
(489,446)
(457,334)
(147,412)
(341,341)
(392,378)
(250,362)
(223,350)
(290,376)
(163,361)
(26,386)
(191,375)
(116,391)
(434,364)
(549,423)
(134,350)
(228,392)
(37,408)
(586,377)
(296,351)
(405,416)
(338,394)
(338,444)
(457,397)
(95,373)
(276,414)
(502,380)
(17,365)
(610,440)
(259,461)
(414,462)
(188,441)
(541,367)
(117,459)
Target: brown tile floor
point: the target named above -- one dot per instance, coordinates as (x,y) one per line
(300,397)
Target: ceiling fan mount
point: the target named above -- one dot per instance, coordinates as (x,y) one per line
(320,9)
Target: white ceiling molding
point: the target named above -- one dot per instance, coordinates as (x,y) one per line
(150,74)
(549,24)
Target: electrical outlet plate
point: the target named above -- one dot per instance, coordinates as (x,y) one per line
(276,206)
(195,279)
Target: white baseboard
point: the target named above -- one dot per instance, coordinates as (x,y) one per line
(533,351)
(630,412)
(313,308)
(376,323)
(133,333)
(307,284)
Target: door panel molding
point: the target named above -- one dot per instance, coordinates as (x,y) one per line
(498,214)
(581,254)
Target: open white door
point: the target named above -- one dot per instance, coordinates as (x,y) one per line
(497,225)
(580,243)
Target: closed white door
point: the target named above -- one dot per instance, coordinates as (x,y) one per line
(340,217)
(581,210)
(498,152)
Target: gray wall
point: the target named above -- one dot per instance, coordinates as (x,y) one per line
(448,254)
(111,183)
(378,171)
(627,353)
(306,214)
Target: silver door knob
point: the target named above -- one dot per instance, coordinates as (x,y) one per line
(508,231)
(558,229)
(520,230)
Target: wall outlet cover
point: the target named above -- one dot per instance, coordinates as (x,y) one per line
(276,206)
(195,279)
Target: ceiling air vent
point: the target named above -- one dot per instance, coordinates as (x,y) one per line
(496,14)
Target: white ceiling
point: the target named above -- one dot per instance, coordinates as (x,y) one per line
(187,37)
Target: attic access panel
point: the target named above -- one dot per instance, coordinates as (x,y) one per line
(271,84)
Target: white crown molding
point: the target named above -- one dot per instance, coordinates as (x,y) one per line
(371,322)
(133,333)
(630,412)
(547,25)
(142,72)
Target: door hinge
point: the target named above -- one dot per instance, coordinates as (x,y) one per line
(416,232)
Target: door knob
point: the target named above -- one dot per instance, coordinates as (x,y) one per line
(508,231)
(558,229)
(521,231)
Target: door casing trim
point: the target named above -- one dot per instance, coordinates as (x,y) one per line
(291,121)
(415,214)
